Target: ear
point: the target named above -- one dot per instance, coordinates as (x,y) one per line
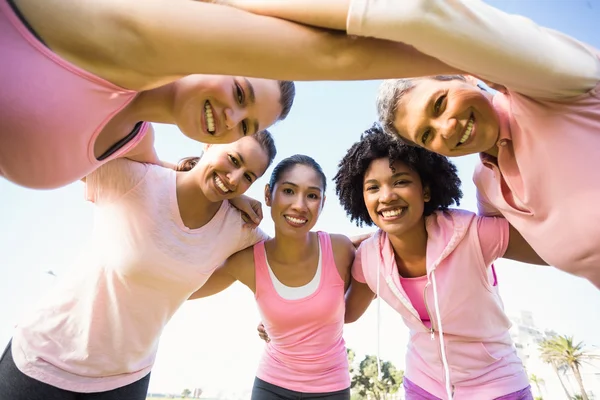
(426,194)
(268,195)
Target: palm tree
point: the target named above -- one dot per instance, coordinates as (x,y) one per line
(565,352)
(537,381)
(572,355)
(549,355)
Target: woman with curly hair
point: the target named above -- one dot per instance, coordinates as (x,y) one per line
(433,265)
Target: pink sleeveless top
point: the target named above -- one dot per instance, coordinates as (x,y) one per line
(51,111)
(307,352)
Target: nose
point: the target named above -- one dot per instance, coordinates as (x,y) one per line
(387,195)
(233,117)
(234,178)
(299,204)
(447,127)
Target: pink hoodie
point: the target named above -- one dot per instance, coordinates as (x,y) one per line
(477,359)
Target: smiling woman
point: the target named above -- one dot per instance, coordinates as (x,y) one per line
(88,112)
(298,279)
(433,265)
(158,236)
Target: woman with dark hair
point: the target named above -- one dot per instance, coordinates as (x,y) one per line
(298,278)
(433,265)
(158,236)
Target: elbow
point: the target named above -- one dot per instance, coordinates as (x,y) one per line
(350,318)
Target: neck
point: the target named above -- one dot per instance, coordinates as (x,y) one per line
(410,250)
(493,151)
(290,250)
(194,207)
(155,105)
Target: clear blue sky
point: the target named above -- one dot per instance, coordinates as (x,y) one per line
(42,231)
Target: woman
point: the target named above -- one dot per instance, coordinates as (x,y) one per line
(433,265)
(158,236)
(74,92)
(537,137)
(298,279)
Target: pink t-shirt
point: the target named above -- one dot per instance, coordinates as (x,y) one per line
(493,238)
(99,328)
(307,352)
(52,111)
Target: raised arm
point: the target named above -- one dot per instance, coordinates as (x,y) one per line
(469,35)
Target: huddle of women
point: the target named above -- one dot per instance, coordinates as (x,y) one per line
(78,101)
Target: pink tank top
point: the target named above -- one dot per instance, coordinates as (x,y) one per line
(307,352)
(51,111)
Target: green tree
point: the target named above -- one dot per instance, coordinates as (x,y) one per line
(537,381)
(570,354)
(367,384)
(186,393)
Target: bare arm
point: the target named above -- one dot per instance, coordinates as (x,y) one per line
(358,299)
(469,35)
(220,280)
(237,267)
(519,250)
(144,44)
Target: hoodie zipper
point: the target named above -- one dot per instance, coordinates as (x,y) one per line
(431,329)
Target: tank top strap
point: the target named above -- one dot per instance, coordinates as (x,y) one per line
(261,270)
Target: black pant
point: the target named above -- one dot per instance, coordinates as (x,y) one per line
(15,385)
(265,391)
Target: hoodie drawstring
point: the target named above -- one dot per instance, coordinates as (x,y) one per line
(379,373)
(441,335)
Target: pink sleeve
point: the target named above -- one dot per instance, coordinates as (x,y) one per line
(112,180)
(357,270)
(251,236)
(493,237)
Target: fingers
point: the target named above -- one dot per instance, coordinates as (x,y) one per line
(262,333)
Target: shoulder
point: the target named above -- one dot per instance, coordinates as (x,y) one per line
(238,262)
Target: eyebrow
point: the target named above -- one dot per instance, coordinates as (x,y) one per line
(244,163)
(396,175)
(252,98)
(294,185)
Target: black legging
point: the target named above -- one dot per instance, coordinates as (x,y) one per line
(265,391)
(15,385)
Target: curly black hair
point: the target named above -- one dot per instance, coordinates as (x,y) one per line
(435,171)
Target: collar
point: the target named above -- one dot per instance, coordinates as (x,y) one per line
(501,104)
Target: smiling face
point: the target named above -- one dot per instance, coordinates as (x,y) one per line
(394,197)
(452,118)
(226,171)
(221,109)
(296,200)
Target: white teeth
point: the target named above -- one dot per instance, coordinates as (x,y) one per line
(468,131)
(297,221)
(210,119)
(220,184)
(392,213)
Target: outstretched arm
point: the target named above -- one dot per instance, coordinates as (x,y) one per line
(469,35)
